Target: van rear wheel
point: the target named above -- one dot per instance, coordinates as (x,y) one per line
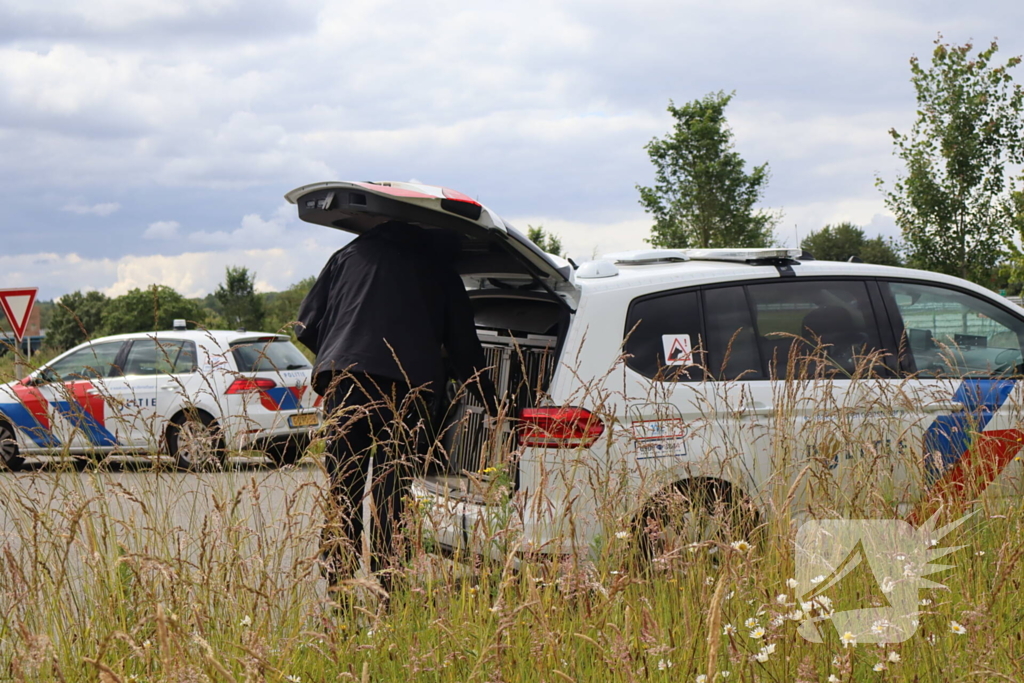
(690,514)
(10,459)
(195,442)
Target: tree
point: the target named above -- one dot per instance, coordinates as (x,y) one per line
(950,205)
(76,318)
(241,305)
(841,241)
(283,307)
(150,309)
(547,241)
(702,197)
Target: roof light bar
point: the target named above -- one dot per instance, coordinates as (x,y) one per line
(647,256)
(743,255)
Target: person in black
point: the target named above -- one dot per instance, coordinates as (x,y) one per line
(380,317)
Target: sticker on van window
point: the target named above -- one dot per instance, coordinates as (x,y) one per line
(677,349)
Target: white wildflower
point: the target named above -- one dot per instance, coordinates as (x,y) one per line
(792,583)
(879,667)
(757,633)
(957,628)
(781,598)
(817,579)
(833,678)
(750,623)
(741,546)
(246,621)
(665,664)
(728,630)
(926,601)
(894,657)
(848,639)
(622,535)
(702,678)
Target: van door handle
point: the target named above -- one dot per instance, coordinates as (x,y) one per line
(760,409)
(169,387)
(943,406)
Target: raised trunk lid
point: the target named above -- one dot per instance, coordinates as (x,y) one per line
(492,247)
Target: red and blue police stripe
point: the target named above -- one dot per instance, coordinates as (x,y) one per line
(86,413)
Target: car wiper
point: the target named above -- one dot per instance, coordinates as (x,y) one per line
(298,366)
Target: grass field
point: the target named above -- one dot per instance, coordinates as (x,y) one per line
(99,582)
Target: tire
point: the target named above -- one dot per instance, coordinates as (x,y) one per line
(195,442)
(691,512)
(9,455)
(286,451)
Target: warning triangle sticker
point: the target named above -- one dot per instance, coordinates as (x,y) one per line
(678,350)
(17,305)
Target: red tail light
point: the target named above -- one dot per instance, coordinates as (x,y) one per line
(559,427)
(240,386)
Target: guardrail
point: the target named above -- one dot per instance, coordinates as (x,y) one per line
(29,345)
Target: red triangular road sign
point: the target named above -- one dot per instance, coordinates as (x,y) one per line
(17,305)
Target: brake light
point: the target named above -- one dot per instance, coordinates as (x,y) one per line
(242,385)
(559,427)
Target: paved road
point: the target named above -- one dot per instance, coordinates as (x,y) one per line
(253,520)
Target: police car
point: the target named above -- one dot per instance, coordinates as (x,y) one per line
(721,378)
(193,394)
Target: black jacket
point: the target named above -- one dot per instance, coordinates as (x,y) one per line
(386,305)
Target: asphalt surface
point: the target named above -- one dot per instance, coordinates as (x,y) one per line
(256,519)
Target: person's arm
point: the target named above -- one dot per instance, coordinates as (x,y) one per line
(463,345)
(314,307)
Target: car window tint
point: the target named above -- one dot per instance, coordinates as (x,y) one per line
(813,328)
(268,355)
(186,360)
(948,333)
(92,362)
(732,344)
(664,337)
(153,357)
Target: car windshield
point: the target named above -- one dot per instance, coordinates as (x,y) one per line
(269,354)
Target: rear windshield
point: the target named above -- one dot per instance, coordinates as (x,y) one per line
(268,355)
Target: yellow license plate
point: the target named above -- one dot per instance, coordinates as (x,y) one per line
(304,420)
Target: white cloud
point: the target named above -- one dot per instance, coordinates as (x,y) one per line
(162,230)
(104,209)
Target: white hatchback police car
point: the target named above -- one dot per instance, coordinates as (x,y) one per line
(194,394)
(735,377)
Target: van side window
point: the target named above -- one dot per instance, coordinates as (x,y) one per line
(816,328)
(664,337)
(949,333)
(732,344)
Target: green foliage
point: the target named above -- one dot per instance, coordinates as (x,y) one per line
(841,241)
(241,306)
(283,307)
(702,197)
(153,308)
(547,241)
(951,204)
(76,317)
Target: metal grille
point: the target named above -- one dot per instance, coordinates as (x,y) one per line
(521,369)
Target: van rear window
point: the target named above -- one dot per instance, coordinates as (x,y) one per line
(270,354)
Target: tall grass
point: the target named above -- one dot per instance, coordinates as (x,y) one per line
(123,575)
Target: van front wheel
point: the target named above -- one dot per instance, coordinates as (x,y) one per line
(9,457)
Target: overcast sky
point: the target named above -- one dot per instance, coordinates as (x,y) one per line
(153,140)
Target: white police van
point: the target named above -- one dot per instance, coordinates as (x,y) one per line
(745,378)
(194,394)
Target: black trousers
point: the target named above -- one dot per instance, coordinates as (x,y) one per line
(373,417)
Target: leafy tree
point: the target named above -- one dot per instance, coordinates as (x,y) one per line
(153,308)
(841,241)
(702,196)
(547,241)
(76,318)
(241,305)
(951,204)
(283,307)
